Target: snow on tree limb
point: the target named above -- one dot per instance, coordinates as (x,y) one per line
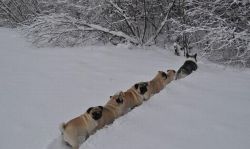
(106,30)
(219,34)
(122,13)
(161,25)
(8,11)
(53,27)
(145,21)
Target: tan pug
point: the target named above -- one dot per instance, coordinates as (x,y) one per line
(133,97)
(160,81)
(170,76)
(143,89)
(112,110)
(77,130)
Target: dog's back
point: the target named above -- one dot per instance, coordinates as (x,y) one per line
(108,116)
(156,85)
(132,98)
(188,67)
(76,128)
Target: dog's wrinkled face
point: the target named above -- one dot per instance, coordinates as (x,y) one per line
(141,87)
(162,75)
(117,98)
(95,112)
(192,57)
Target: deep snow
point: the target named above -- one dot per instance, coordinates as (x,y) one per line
(40,88)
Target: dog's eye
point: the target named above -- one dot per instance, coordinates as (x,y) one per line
(101,107)
(89,109)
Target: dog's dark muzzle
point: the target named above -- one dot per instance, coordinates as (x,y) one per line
(97,115)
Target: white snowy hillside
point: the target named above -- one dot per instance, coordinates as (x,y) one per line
(40,88)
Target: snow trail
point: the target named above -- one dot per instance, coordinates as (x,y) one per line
(40,88)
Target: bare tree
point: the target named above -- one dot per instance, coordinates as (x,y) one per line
(129,20)
(18,11)
(219,30)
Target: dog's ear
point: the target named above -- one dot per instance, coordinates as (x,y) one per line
(121,94)
(119,100)
(163,74)
(136,86)
(89,109)
(171,70)
(101,107)
(195,56)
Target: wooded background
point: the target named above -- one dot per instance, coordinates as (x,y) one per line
(216,29)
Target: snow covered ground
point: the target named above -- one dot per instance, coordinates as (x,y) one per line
(40,88)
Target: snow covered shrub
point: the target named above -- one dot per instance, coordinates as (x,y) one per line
(64,23)
(136,21)
(218,29)
(14,12)
(141,19)
(59,30)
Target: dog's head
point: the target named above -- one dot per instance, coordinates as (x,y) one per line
(141,87)
(117,99)
(192,57)
(162,75)
(117,102)
(95,112)
(171,74)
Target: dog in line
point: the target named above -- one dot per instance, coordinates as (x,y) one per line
(188,67)
(143,89)
(77,130)
(134,96)
(160,81)
(113,109)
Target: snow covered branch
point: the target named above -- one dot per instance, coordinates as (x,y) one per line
(123,13)
(62,30)
(161,25)
(106,30)
(216,29)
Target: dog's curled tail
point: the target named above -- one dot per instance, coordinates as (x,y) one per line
(62,127)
